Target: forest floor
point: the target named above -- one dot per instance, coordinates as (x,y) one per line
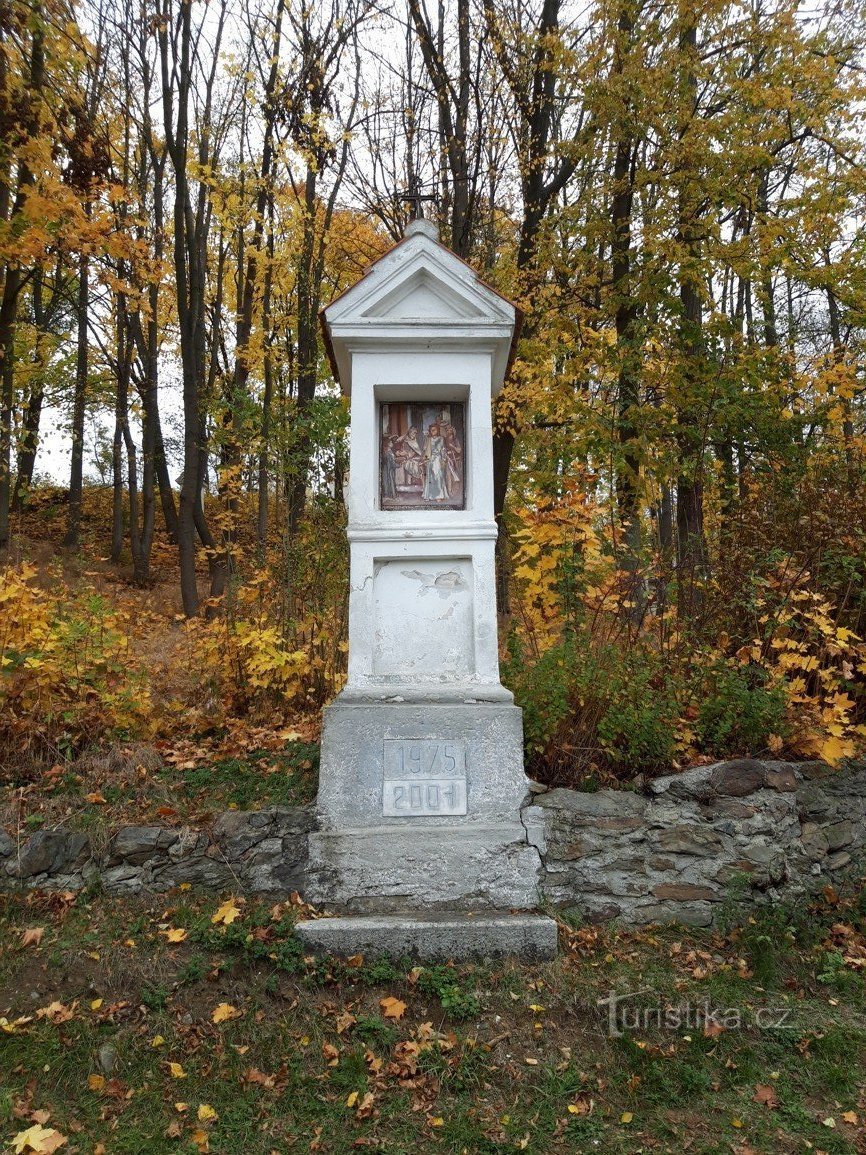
(196,1024)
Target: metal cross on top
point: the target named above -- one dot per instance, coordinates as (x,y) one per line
(416,200)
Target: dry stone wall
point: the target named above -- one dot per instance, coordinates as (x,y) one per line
(746,831)
(741,831)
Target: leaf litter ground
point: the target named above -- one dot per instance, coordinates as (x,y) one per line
(196,1024)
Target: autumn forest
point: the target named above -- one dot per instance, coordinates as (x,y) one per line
(675,196)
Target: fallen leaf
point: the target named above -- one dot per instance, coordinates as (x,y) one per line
(330,1054)
(42,1140)
(32,936)
(345,1020)
(392,1008)
(175,934)
(829,1122)
(850,1117)
(95,1004)
(177,1071)
(206,1113)
(200,1138)
(766,1095)
(157,1041)
(365,1107)
(96,1082)
(352,1099)
(626,1117)
(224,1012)
(56,1012)
(227,913)
(96,798)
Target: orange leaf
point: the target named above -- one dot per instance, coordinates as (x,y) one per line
(392,1008)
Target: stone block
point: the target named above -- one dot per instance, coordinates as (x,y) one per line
(839,834)
(477,748)
(687,914)
(7,846)
(729,808)
(387,869)
(685,892)
(419,807)
(429,936)
(815,844)
(838,860)
(699,840)
(693,784)
(737,779)
(598,804)
(784,779)
(136,844)
(49,852)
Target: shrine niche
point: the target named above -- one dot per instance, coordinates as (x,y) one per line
(422,455)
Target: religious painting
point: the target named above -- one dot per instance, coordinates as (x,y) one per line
(422,455)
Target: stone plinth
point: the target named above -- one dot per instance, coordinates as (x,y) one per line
(419,807)
(431,937)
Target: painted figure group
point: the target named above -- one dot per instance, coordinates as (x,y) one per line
(431,463)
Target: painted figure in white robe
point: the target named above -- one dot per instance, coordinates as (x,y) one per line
(436,476)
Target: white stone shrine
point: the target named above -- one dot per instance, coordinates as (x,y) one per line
(421,780)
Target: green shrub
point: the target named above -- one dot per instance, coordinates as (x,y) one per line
(737,711)
(589,707)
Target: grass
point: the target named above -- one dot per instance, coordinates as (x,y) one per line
(487,1058)
(99,794)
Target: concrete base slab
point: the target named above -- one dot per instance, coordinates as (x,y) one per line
(428,935)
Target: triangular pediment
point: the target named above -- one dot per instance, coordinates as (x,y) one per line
(423,297)
(419,280)
(419,291)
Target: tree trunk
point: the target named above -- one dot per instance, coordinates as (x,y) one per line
(627,337)
(691,550)
(79,407)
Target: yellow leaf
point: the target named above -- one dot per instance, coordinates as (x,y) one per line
(177,1071)
(626,1117)
(37,1138)
(201,1141)
(850,1117)
(96,1082)
(437,1121)
(352,1099)
(224,1012)
(157,1041)
(206,1113)
(181,1107)
(392,1008)
(537,1007)
(175,934)
(95,1004)
(227,913)
(833,750)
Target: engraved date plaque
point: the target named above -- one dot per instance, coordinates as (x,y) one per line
(424,776)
